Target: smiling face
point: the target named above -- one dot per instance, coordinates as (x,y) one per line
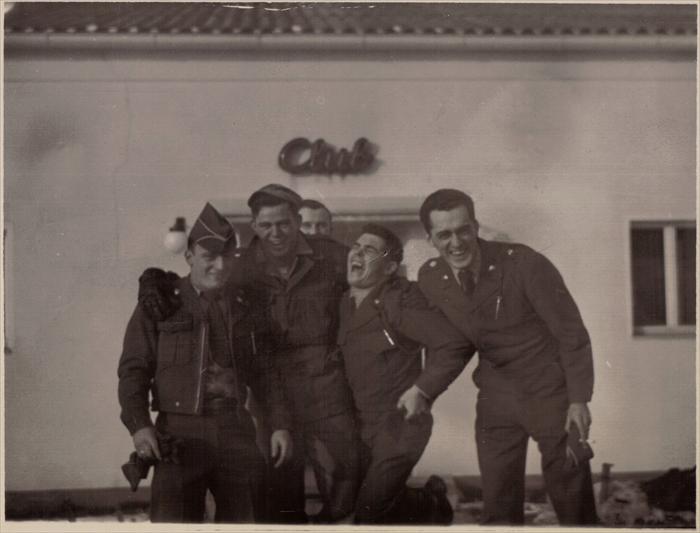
(277,227)
(368,262)
(208,271)
(454,234)
(315,221)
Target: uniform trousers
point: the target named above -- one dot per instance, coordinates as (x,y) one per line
(391,447)
(330,447)
(218,453)
(504,424)
(324,433)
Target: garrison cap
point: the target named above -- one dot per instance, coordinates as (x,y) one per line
(212,231)
(276,191)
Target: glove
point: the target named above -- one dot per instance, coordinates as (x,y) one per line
(577,449)
(158,297)
(136,468)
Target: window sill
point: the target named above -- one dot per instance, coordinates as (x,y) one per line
(664,331)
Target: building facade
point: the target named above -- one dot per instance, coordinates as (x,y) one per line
(576,136)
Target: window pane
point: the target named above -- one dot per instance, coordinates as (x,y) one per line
(648,277)
(685,243)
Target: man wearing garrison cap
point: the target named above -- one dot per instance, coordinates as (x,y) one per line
(196,364)
(296,282)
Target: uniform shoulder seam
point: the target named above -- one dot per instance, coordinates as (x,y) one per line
(428,265)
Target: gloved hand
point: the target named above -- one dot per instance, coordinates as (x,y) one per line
(158,297)
(151,446)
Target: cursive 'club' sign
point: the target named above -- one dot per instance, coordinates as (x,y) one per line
(301,156)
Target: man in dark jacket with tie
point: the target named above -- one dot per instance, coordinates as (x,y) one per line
(535,372)
(197,364)
(385,321)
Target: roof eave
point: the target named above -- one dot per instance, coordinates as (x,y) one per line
(162,42)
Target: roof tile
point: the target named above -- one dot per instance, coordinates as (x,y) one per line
(359,18)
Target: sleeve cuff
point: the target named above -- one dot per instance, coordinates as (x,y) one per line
(423,393)
(430,388)
(579,397)
(136,422)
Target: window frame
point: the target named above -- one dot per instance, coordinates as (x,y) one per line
(6,285)
(669,227)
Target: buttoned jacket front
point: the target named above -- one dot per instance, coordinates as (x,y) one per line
(169,358)
(301,314)
(381,344)
(522,319)
(302,310)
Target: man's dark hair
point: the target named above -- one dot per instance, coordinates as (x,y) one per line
(393,243)
(445,200)
(267,200)
(315,204)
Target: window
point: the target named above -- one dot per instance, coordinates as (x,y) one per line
(663,277)
(8,303)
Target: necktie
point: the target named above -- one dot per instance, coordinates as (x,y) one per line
(222,377)
(218,334)
(466,280)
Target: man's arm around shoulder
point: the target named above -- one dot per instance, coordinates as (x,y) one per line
(448,351)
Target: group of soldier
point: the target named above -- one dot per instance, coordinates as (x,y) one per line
(339,359)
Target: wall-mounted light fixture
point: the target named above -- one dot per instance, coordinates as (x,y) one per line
(176,239)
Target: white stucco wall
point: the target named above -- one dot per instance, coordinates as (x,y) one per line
(101,155)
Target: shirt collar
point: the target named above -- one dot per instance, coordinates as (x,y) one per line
(195,289)
(474,267)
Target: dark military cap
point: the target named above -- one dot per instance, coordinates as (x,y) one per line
(275,191)
(212,231)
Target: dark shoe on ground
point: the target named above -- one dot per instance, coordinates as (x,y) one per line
(442,512)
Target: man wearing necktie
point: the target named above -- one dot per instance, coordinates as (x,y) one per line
(535,371)
(197,364)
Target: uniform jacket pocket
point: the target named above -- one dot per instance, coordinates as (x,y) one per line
(176,341)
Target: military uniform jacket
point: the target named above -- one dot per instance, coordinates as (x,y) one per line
(522,319)
(301,313)
(302,310)
(168,358)
(381,344)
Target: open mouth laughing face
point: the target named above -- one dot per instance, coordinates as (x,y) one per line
(454,234)
(368,263)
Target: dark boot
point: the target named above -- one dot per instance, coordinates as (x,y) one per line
(442,512)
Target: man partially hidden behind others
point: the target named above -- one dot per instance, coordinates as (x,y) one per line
(535,372)
(198,363)
(316,218)
(384,323)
